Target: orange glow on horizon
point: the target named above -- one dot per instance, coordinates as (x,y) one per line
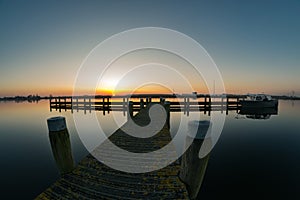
(147,89)
(231,88)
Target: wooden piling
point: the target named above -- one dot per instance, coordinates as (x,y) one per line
(141,103)
(192,167)
(56,104)
(103,105)
(65,101)
(222,102)
(59,104)
(84,105)
(77,105)
(124,106)
(90,105)
(71,104)
(60,144)
(237,104)
(108,105)
(50,103)
(188,106)
(184,105)
(130,110)
(205,105)
(227,104)
(167,107)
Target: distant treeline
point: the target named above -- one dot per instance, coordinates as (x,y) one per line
(29,98)
(286,97)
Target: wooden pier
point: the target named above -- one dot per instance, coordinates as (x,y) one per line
(178,103)
(93,180)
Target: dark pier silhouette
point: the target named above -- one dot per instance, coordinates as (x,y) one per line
(178,103)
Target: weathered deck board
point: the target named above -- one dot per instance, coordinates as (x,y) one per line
(93,180)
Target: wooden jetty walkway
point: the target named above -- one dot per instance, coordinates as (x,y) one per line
(93,180)
(178,103)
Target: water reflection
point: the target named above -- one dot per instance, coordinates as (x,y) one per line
(246,155)
(258,113)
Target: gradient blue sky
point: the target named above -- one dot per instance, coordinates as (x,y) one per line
(255,44)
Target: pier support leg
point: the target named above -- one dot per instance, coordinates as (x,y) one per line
(237,104)
(167,107)
(141,104)
(90,105)
(227,105)
(84,105)
(77,105)
(187,106)
(130,110)
(184,105)
(60,144)
(103,105)
(71,105)
(59,105)
(205,106)
(56,104)
(65,99)
(108,105)
(222,102)
(50,99)
(124,106)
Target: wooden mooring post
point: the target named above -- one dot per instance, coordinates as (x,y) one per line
(60,144)
(192,167)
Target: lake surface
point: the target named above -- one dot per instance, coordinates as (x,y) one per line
(253,158)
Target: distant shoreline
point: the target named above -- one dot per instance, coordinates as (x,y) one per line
(36,98)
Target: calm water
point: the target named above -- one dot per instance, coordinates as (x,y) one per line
(253,158)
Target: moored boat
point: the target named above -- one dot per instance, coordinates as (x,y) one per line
(259,101)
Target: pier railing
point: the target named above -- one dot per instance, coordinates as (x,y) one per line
(178,103)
